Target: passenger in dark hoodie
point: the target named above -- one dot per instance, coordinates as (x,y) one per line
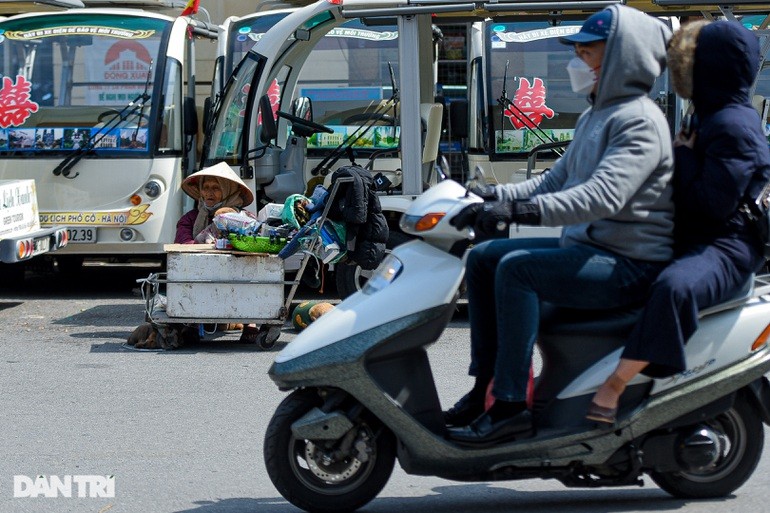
(721,164)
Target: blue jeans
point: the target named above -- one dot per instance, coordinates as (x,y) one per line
(508,278)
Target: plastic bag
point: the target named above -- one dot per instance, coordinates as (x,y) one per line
(327,243)
(238,223)
(295,210)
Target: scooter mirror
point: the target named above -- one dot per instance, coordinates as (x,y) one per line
(478,174)
(477,180)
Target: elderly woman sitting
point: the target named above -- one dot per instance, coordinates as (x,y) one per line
(216,189)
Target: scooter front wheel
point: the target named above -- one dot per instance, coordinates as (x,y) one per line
(742,437)
(327,476)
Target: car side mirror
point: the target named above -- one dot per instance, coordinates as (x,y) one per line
(190,117)
(269,129)
(302,107)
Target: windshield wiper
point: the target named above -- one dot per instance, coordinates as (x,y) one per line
(64,167)
(346,146)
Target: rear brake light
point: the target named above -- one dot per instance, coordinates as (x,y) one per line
(61,239)
(24,249)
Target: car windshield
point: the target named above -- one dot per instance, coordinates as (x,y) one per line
(67,76)
(245,32)
(225,140)
(544,108)
(347,78)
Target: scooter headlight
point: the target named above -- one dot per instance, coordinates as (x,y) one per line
(384,275)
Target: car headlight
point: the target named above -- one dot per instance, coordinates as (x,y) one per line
(152,189)
(384,275)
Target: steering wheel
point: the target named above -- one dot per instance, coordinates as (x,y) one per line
(306,127)
(105,116)
(368,116)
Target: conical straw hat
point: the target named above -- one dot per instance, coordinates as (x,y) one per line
(191,184)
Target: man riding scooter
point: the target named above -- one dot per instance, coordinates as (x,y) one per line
(610,191)
(362,389)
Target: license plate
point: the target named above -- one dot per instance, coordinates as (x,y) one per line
(81,235)
(42,245)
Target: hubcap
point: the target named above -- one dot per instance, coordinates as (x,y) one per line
(330,471)
(730,432)
(334,470)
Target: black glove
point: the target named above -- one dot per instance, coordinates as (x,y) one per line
(526,212)
(491,220)
(467,216)
(485,192)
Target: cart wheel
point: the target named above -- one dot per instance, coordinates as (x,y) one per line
(268,336)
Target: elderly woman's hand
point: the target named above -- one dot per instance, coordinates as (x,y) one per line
(225,210)
(208,235)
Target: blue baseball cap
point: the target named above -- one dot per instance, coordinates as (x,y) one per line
(596,28)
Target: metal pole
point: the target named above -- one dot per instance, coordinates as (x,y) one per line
(411,136)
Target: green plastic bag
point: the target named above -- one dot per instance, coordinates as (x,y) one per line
(294,211)
(255,244)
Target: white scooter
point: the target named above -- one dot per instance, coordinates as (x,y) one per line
(363,391)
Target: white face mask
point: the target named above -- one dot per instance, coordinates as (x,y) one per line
(213,207)
(581,77)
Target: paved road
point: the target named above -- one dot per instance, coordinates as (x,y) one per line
(182,431)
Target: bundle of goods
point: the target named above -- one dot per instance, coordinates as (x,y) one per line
(246,233)
(303,215)
(239,223)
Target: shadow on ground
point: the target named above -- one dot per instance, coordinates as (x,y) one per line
(482,498)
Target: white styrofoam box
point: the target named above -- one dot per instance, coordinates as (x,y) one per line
(238,300)
(270,211)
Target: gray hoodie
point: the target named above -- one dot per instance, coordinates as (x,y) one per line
(611,188)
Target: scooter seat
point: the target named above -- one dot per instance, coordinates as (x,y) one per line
(556,320)
(617,322)
(738,299)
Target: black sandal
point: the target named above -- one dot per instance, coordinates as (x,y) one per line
(601,414)
(249,335)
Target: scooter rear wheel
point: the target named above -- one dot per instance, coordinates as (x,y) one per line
(743,434)
(319,476)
